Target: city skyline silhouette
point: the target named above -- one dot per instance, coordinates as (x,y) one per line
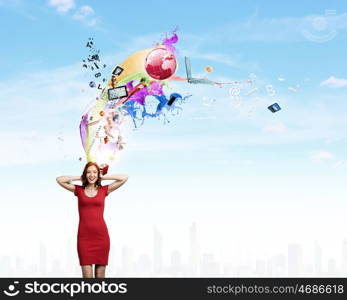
(195,263)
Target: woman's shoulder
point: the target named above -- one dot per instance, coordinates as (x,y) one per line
(77,189)
(104,188)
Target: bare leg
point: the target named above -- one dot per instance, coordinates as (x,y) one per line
(87,271)
(100,271)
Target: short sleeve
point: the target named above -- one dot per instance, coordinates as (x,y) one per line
(76,189)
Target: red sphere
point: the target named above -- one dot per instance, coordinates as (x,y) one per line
(160,63)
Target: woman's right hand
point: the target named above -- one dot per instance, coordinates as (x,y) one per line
(103,169)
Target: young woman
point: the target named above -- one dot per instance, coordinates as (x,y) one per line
(93,241)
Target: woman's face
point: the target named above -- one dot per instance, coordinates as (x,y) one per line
(92,174)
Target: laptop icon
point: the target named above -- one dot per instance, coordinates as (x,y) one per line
(190,79)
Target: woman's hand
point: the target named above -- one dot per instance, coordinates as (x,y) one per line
(103,169)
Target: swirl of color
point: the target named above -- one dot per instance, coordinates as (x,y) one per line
(160,64)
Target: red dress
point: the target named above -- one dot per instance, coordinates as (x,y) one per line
(93,241)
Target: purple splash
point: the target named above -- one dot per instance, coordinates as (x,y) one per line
(156,88)
(83,129)
(169,41)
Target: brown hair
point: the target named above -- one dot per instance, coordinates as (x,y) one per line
(84,174)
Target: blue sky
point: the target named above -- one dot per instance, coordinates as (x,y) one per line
(297,154)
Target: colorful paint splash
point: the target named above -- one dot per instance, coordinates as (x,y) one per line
(143,75)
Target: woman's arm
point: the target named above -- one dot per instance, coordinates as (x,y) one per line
(120,179)
(65,182)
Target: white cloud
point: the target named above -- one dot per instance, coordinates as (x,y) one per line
(334,82)
(319,156)
(62,6)
(84,12)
